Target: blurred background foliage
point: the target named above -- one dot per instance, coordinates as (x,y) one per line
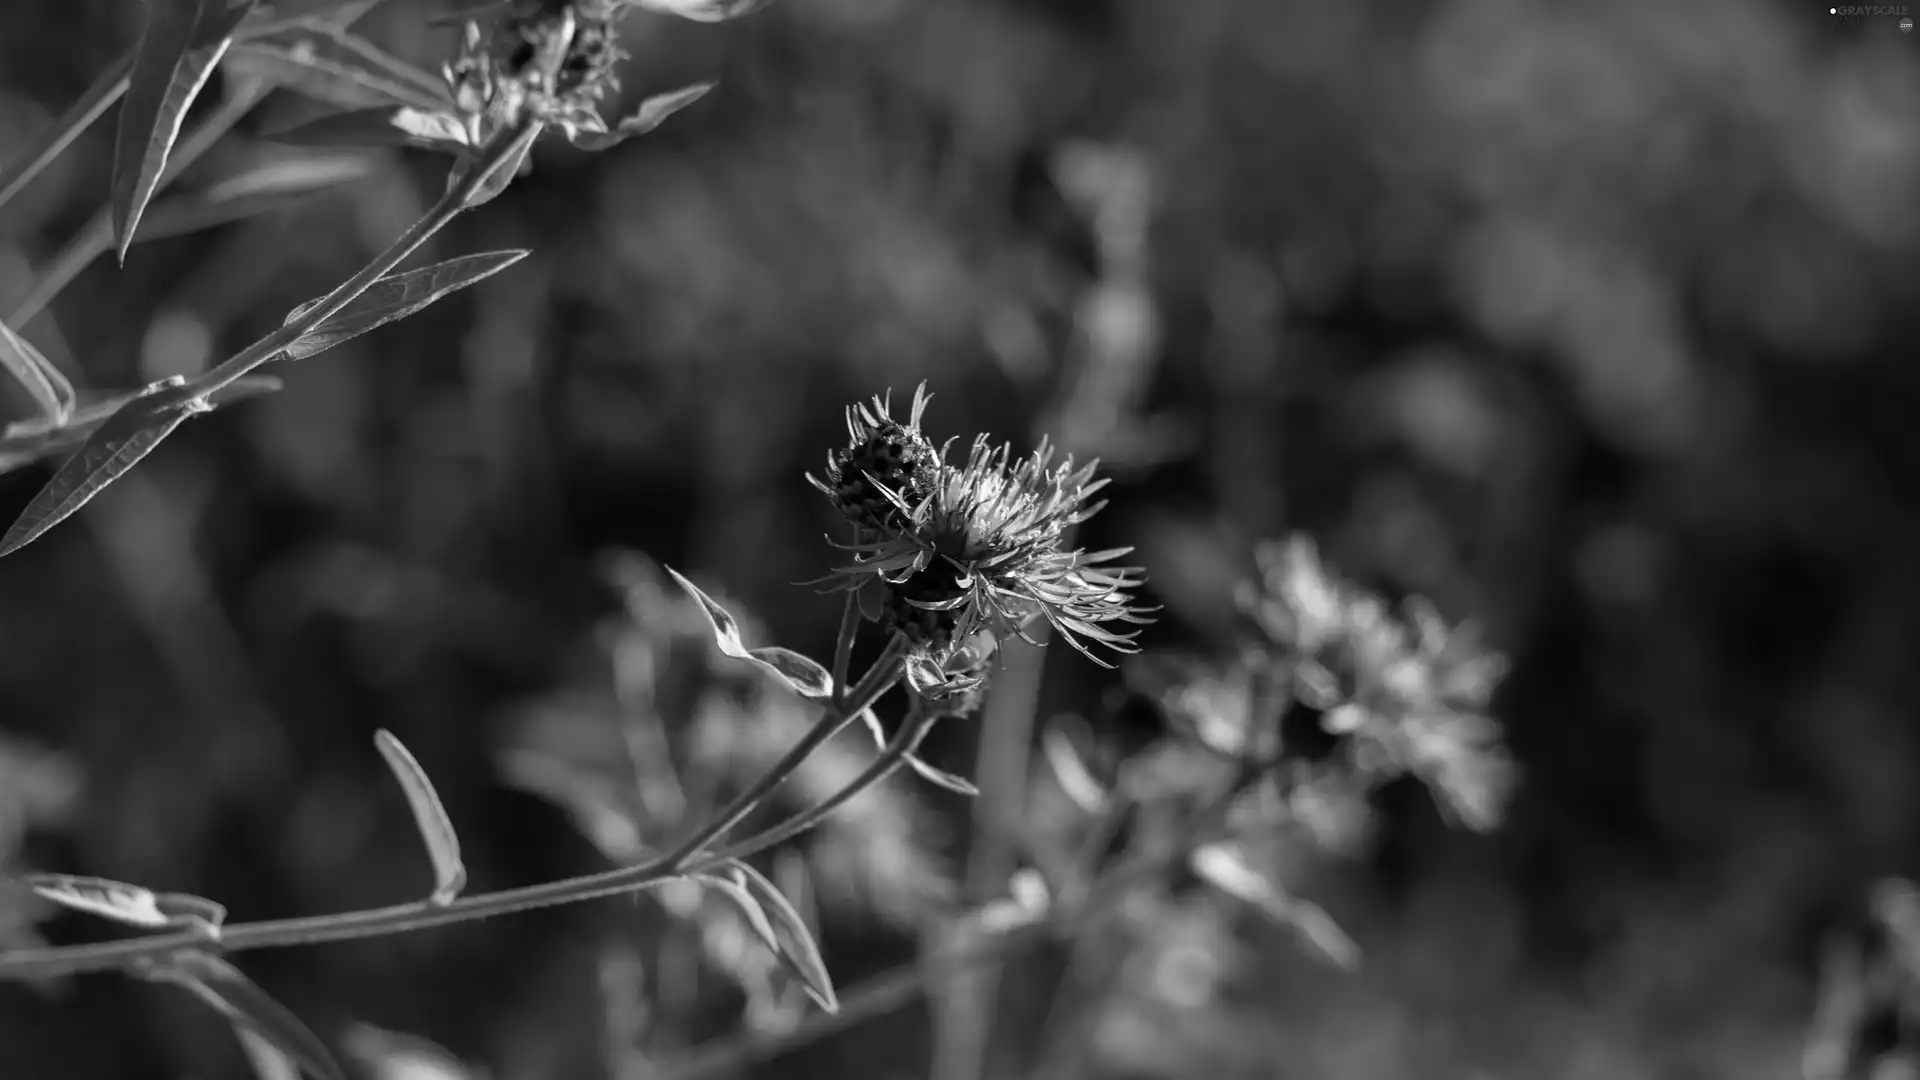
(1582,320)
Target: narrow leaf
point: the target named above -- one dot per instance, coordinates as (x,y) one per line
(274,186)
(379,129)
(651,114)
(49,388)
(942,778)
(26,441)
(703,10)
(395,296)
(756,915)
(514,163)
(443,846)
(245,1005)
(129,904)
(1225,867)
(268,1061)
(797,950)
(182,42)
(119,444)
(340,69)
(801,674)
(1070,769)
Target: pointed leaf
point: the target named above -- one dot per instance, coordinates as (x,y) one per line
(1071,770)
(443,846)
(499,174)
(1225,867)
(651,114)
(797,950)
(273,186)
(182,42)
(379,129)
(268,1061)
(49,388)
(395,296)
(942,778)
(703,10)
(26,441)
(129,904)
(800,674)
(341,69)
(756,915)
(119,444)
(245,1005)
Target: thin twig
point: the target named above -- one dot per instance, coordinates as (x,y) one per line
(99,97)
(882,994)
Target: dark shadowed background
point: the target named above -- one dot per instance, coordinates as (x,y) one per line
(1591,322)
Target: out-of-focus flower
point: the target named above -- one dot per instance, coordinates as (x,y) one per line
(1404,692)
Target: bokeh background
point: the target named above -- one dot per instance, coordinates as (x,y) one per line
(1591,322)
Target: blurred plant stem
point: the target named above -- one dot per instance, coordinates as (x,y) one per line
(425,914)
(99,97)
(95,238)
(879,996)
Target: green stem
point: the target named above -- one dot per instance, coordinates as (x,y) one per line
(422,915)
(96,237)
(881,767)
(99,97)
(894,989)
(877,681)
(506,152)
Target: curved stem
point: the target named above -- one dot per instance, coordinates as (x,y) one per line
(421,915)
(887,992)
(877,681)
(881,767)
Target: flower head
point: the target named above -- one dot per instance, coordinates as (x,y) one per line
(552,59)
(953,551)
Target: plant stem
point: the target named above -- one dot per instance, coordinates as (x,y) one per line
(883,994)
(96,236)
(99,97)
(422,915)
(877,681)
(504,152)
(889,761)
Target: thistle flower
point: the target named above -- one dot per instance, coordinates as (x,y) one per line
(552,59)
(974,549)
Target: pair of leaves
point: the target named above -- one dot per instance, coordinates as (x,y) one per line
(182,42)
(138,426)
(27,441)
(49,388)
(778,925)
